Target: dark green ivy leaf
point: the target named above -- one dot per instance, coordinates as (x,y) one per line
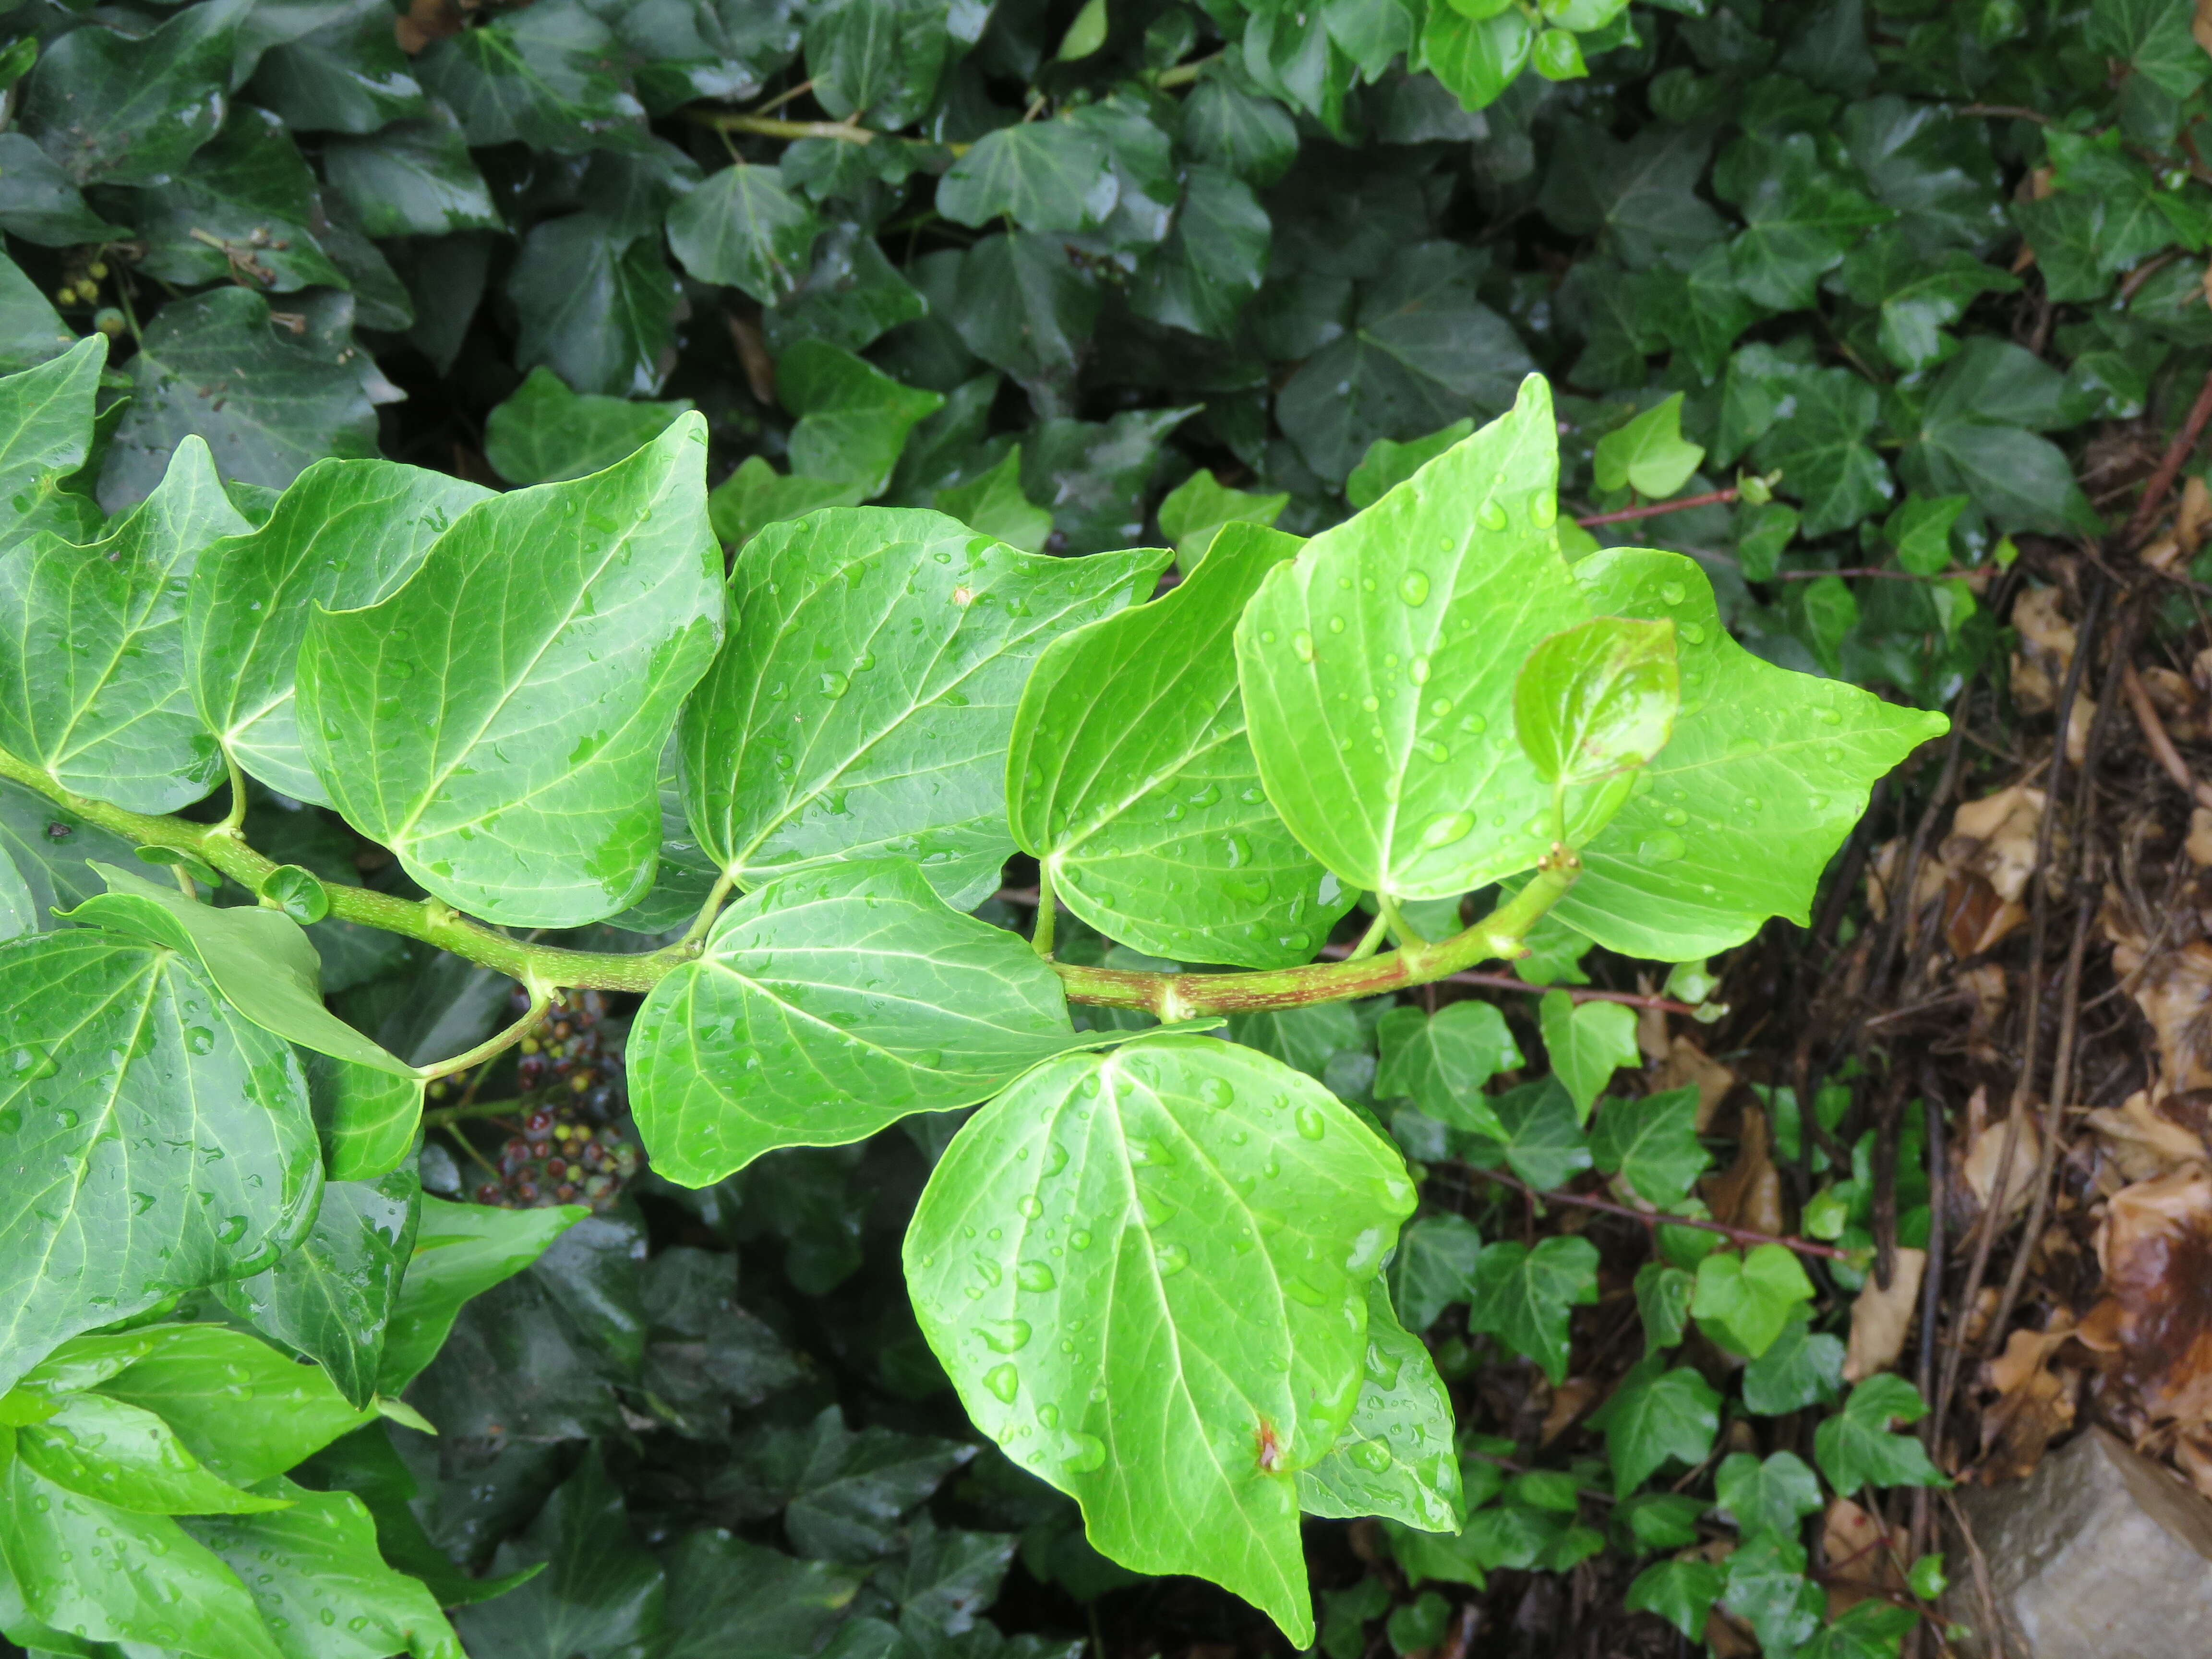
(596,303)
(744,228)
(122,109)
(537,76)
(412,178)
(267,400)
(601,1591)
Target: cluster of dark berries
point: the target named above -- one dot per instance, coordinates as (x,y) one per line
(573,1148)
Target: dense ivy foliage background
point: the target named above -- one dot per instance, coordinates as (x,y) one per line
(1086,278)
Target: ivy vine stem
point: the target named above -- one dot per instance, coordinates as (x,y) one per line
(1497,937)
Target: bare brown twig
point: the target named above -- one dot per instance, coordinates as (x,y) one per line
(1745,1235)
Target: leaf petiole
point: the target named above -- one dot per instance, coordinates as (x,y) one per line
(541,998)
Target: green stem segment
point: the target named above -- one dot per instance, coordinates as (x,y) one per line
(1498,936)
(426,919)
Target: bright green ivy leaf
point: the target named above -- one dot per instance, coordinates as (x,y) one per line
(124,1455)
(320,1556)
(826,1006)
(1766,773)
(1586,1043)
(1652,1145)
(1440,1061)
(191,1379)
(1191,511)
(344,535)
(881,654)
(1387,463)
(1521,1296)
(1854,1448)
(992,504)
(1396,1458)
(260,959)
(165,1590)
(498,721)
(1476,59)
(1592,704)
(757,496)
(104,1035)
(95,694)
(1129,776)
(1217,1208)
(1766,1498)
(1742,1302)
(45,416)
(1656,1416)
(1454,577)
(1801,1367)
(1649,455)
(546,434)
(853,418)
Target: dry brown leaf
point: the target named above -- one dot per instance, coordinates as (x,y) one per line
(1975,916)
(1980,1169)
(2160,553)
(1728,1637)
(2155,1246)
(1749,1193)
(2034,1404)
(1686,1064)
(2047,642)
(1987,858)
(1880,1319)
(2174,991)
(2200,25)
(1860,1551)
(1995,838)
(1883,874)
(2199,844)
(1990,988)
(1573,1397)
(426,21)
(2143,1143)
(753,354)
(2079,723)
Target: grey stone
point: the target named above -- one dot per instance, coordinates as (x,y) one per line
(2099,1554)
